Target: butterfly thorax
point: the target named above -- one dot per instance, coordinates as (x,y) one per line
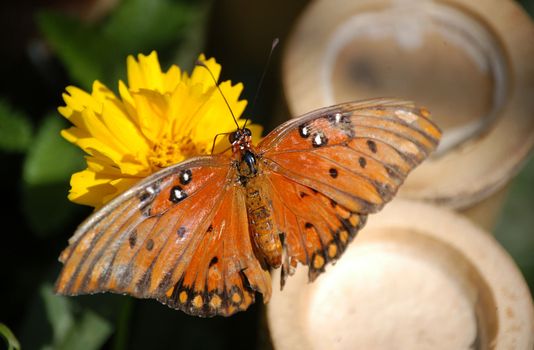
(245,157)
(263,231)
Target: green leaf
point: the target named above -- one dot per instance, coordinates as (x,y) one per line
(47,169)
(98,51)
(514,228)
(73,329)
(58,311)
(140,25)
(123,324)
(194,35)
(79,46)
(12,342)
(51,158)
(90,332)
(15,129)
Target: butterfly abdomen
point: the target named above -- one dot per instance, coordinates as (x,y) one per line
(260,216)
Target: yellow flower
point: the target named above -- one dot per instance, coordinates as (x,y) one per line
(159,119)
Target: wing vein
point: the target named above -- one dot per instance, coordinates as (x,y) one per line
(297,217)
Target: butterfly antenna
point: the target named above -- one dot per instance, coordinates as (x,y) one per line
(273,46)
(202,64)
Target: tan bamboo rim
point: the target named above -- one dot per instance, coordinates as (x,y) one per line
(469,62)
(417,277)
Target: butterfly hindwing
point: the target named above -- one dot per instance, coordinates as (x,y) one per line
(332,167)
(224,271)
(180,236)
(316,229)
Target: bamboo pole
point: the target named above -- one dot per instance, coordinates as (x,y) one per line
(417,276)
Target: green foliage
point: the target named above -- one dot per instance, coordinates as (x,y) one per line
(73,330)
(92,52)
(38,179)
(15,129)
(138,25)
(515,229)
(85,53)
(51,158)
(62,323)
(89,52)
(12,342)
(47,169)
(98,51)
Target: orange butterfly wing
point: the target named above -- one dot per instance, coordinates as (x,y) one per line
(330,168)
(180,236)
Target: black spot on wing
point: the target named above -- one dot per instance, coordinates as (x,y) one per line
(149,244)
(132,239)
(304,130)
(363,162)
(185,176)
(213,261)
(177,194)
(372,145)
(342,122)
(333,173)
(319,139)
(181,231)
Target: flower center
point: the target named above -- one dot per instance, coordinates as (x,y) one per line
(170,151)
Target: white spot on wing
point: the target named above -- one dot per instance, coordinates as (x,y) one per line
(406,116)
(318,139)
(179,194)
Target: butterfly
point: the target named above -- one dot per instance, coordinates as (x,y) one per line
(202,236)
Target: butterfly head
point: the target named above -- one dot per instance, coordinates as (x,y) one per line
(240,139)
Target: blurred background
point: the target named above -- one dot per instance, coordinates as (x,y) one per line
(48,45)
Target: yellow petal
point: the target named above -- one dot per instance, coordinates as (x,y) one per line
(152,112)
(201,75)
(171,79)
(128,134)
(145,73)
(159,119)
(89,189)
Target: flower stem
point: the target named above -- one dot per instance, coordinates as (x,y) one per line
(123,325)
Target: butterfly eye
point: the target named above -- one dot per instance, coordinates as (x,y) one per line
(233,137)
(247,132)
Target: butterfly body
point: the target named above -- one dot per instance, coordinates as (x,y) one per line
(263,231)
(201,236)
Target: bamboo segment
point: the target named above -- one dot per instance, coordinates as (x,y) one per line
(469,62)
(486,213)
(417,277)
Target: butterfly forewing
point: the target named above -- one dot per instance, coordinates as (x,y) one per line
(180,236)
(332,167)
